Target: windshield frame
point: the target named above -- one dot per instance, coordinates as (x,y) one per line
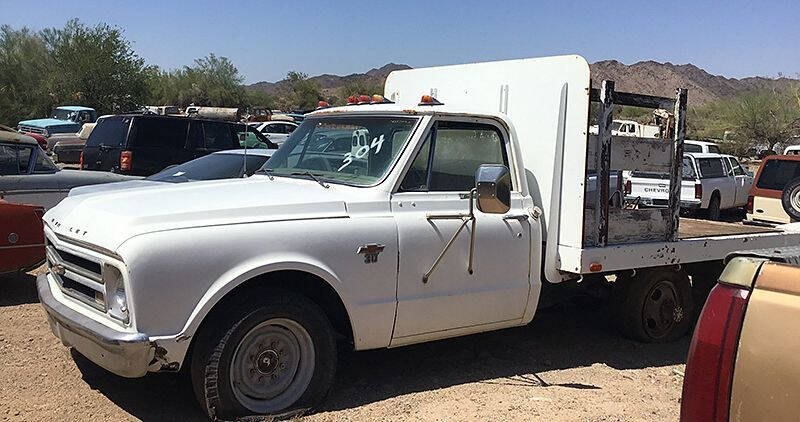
(390,168)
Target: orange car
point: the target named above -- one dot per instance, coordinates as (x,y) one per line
(21,237)
(775,195)
(743,362)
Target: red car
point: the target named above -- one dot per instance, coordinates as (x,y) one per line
(21,237)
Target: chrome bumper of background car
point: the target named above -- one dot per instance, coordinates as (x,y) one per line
(123,353)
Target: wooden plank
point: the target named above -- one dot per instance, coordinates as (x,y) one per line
(691,228)
(635,154)
(632,226)
(635,100)
(675,173)
(603,160)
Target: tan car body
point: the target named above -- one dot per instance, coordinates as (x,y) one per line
(766,376)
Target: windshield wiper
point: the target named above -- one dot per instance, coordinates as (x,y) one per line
(268,172)
(311,175)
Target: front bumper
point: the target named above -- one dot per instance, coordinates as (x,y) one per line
(123,353)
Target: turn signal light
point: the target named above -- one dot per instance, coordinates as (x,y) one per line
(125,160)
(750,200)
(627,187)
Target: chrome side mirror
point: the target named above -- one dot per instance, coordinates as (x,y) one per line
(493,188)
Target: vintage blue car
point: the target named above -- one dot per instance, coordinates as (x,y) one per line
(64,119)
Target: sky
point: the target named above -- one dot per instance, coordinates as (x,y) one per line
(267,39)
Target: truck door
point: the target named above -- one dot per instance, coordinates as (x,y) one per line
(433,193)
(743,181)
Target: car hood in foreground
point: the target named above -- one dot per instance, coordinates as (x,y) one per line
(107,219)
(108,187)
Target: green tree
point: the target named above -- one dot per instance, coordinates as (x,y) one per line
(763,119)
(304,93)
(24,67)
(211,81)
(358,87)
(94,66)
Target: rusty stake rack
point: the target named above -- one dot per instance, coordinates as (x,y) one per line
(600,222)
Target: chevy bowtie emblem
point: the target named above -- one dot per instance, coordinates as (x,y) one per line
(370,251)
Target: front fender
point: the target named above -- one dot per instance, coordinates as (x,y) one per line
(178,276)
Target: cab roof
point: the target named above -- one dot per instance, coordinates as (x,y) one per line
(74,108)
(417,110)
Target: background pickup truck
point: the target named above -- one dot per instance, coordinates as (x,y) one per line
(437,210)
(64,119)
(710,182)
(743,363)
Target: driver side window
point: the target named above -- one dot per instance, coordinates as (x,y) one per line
(452,154)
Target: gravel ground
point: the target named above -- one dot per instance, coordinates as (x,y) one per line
(566,365)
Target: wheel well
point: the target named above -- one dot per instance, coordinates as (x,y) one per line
(307,284)
(715,193)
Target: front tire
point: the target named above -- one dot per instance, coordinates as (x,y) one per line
(276,357)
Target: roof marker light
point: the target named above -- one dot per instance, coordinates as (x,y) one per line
(429,100)
(363,99)
(380,99)
(352,100)
(322,104)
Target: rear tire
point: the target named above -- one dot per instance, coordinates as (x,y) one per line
(790,199)
(713,207)
(656,305)
(275,356)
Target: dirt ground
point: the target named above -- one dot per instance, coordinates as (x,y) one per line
(566,365)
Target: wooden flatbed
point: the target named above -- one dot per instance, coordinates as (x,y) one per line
(691,228)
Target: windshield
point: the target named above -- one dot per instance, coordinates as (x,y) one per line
(355,150)
(687,168)
(210,167)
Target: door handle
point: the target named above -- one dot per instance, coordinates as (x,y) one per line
(518,217)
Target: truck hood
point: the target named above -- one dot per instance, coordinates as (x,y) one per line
(44,123)
(107,219)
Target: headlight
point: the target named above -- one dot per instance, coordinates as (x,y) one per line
(116,299)
(44,133)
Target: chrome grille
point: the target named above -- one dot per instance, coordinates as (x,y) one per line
(31,129)
(77,276)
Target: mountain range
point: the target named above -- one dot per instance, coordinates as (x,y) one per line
(648,77)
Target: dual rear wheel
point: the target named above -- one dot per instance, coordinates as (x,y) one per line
(655,305)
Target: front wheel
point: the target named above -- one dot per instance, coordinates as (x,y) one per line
(277,357)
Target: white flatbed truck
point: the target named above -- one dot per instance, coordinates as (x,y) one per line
(447,222)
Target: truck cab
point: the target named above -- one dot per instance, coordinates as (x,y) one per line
(64,119)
